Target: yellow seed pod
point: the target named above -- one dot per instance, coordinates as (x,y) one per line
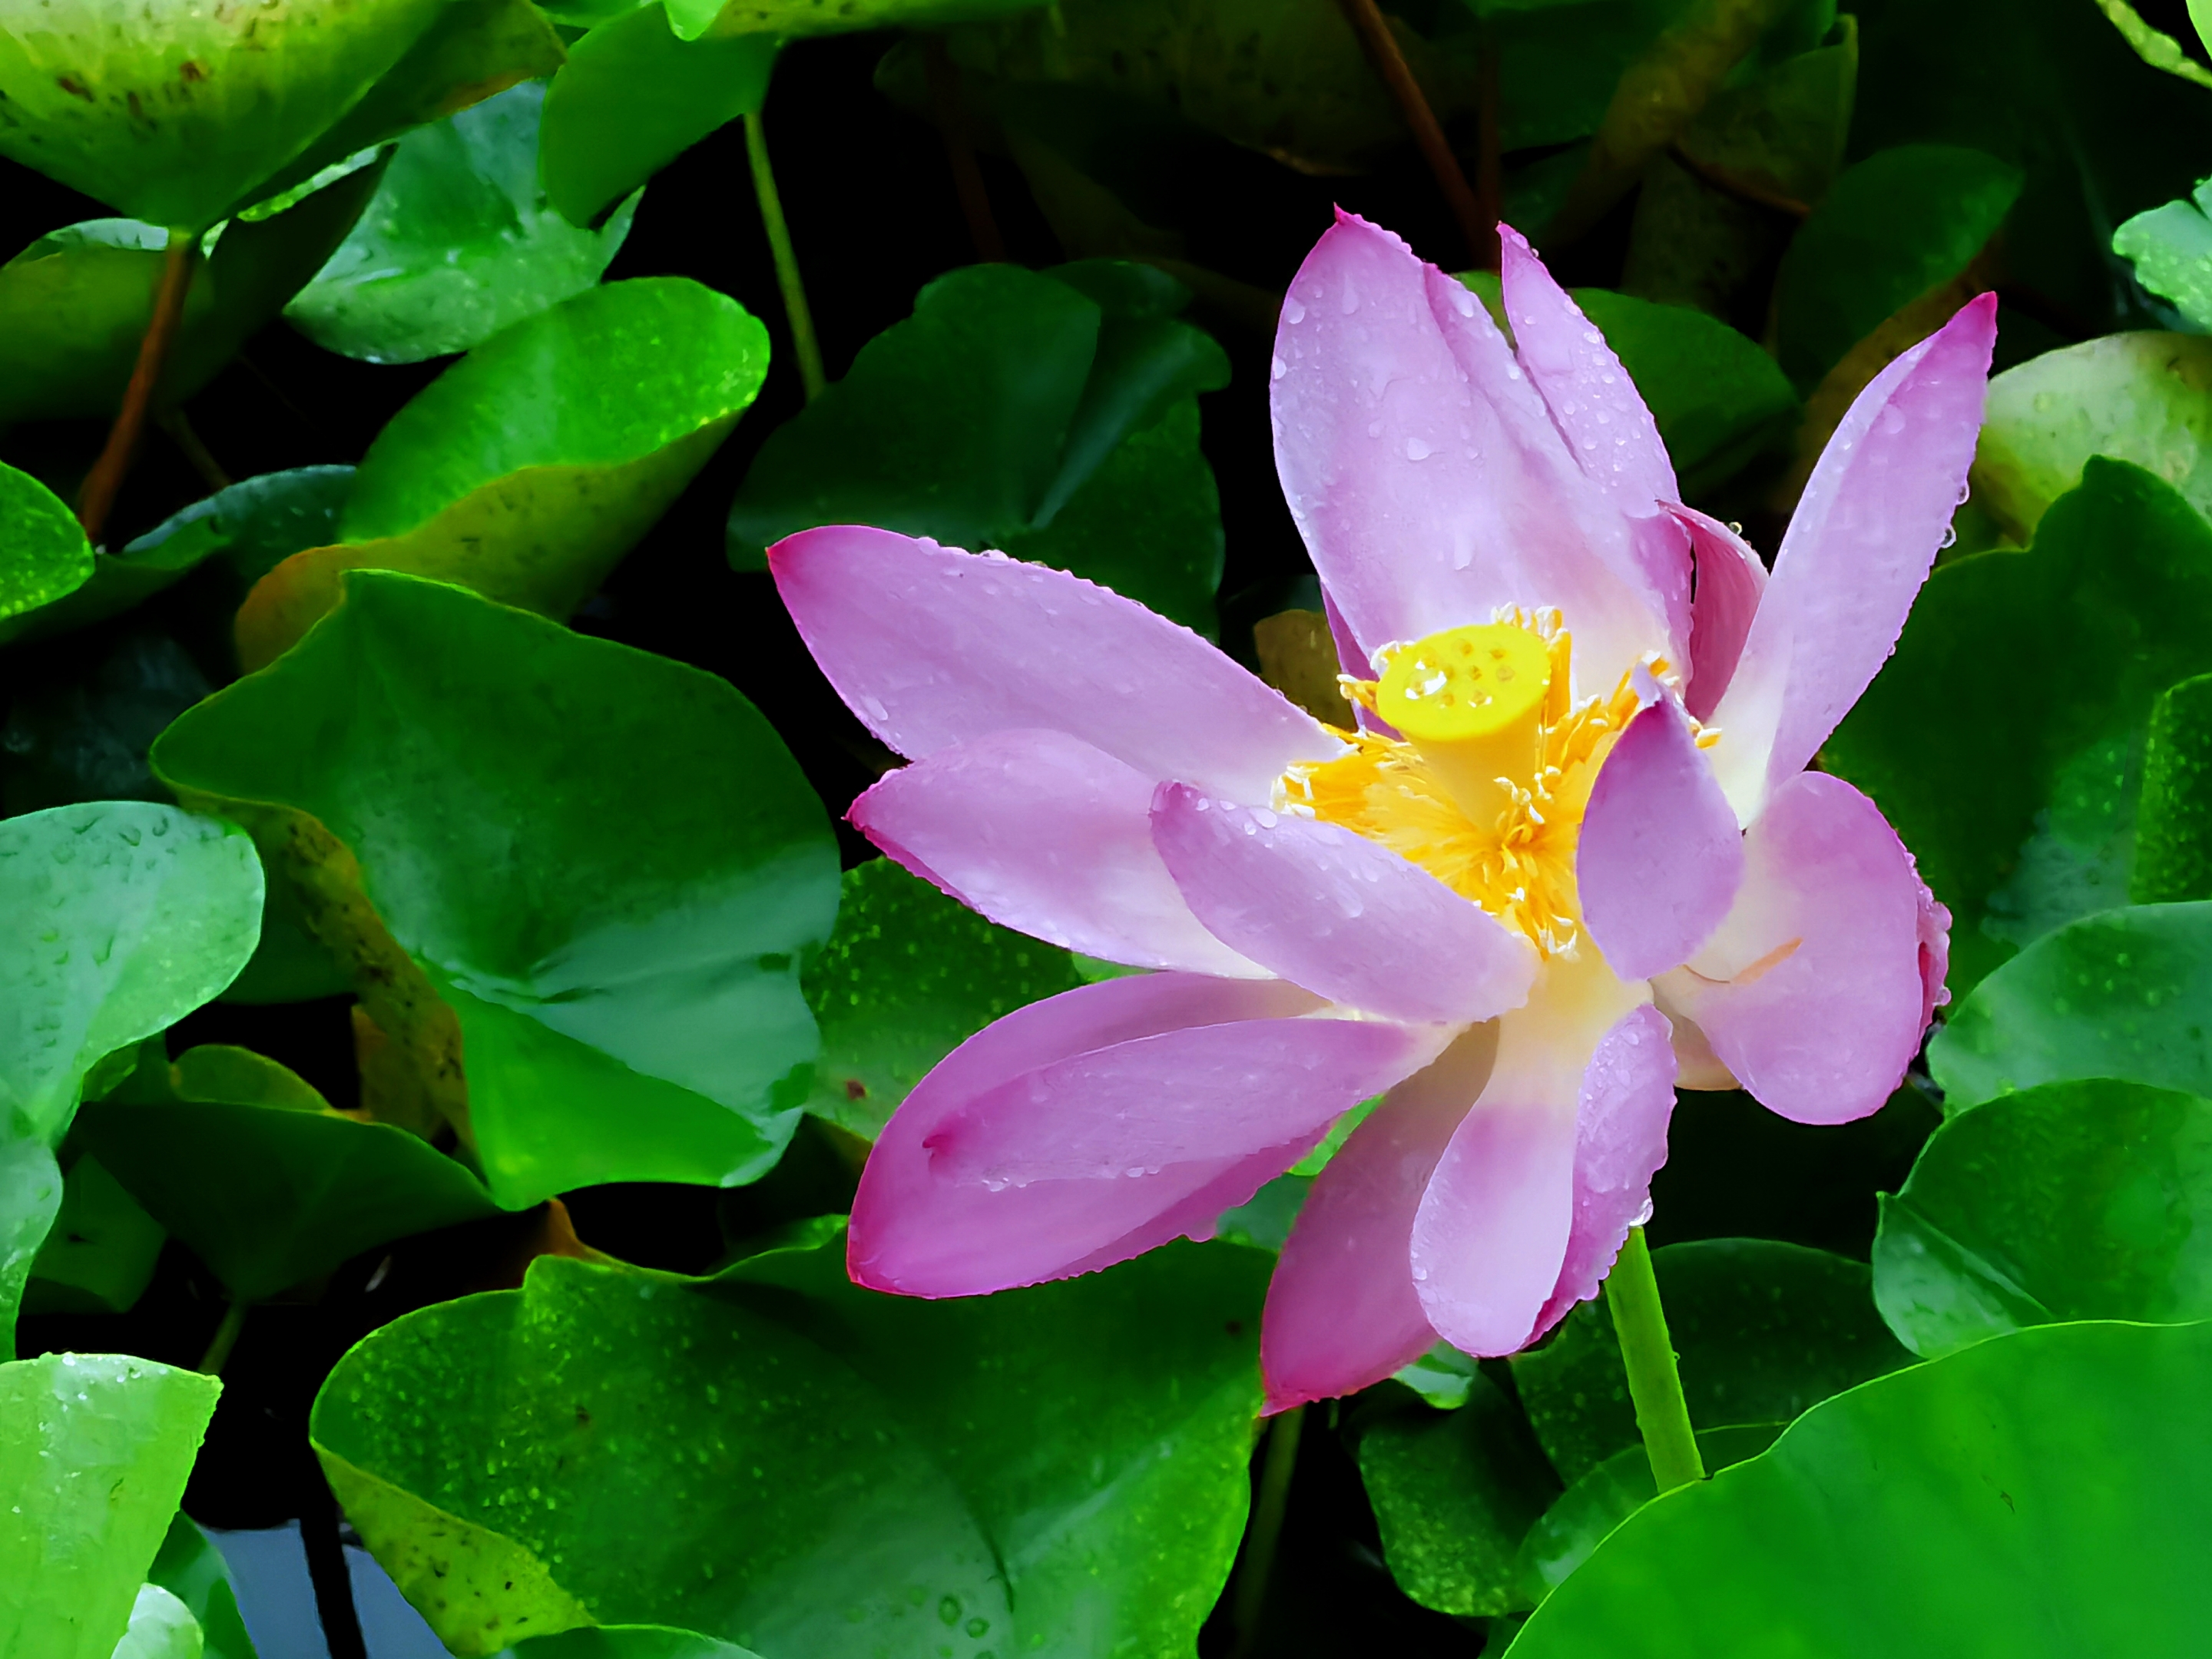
(1471,700)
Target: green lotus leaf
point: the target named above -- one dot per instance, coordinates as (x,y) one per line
(252,525)
(161,1628)
(1896,225)
(194,1570)
(908,976)
(1283,77)
(1054,1469)
(634,96)
(603,863)
(2018,795)
(99,1255)
(2115,995)
(1583,1517)
(1666,87)
(74,305)
(2173,816)
(176,113)
(43,553)
(2141,397)
(132,915)
(458,242)
(529,468)
(1763,1330)
(2071,1200)
(93,1462)
(1287,77)
(1778,135)
(269,1186)
(2170,248)
(137,913)
(30,1198)
(791,19)
(258,523)
(2051,88)
(1264,1222)
(1454,1494)
(1050,416)
(2040,1494)
(475,49)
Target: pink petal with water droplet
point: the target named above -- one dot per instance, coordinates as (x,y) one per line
(1865,533)
(1812,992)
(1602,416)
(1621,1141)
(1040,1094)
(1042,833)
(1660,853)
(931,646)
(1491,1235)
(1609,429)
(1342,1312)
(1174,1101)
(1344,916)
(1423,468)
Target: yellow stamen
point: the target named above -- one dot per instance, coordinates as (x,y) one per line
(1472,700)
(1486,789)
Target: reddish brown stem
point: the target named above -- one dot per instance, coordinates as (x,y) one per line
(97,499)
(960,148)
(1382,49)
(1489,170)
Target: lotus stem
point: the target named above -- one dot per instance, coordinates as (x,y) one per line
(97,499)
(225,1338)
(1489,166)
(1662,1416)
(1267,1527)
(960,148)
(1382,49)
(803,343)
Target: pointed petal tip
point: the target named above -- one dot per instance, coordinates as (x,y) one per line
(1975,323)
(1349,223)
(783,554)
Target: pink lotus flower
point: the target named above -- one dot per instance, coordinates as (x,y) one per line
(1573,848)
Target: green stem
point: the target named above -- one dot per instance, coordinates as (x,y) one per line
(786,262)
(225,1338)
(1632,1290)
(1267,1527)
